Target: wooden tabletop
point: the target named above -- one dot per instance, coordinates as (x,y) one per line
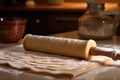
(102,73)
(114,42)
(110,43)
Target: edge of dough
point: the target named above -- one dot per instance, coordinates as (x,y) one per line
(24,40)
(90,43)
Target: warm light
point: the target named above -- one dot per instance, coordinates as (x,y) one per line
(1,19)
(107,5)
(111,5)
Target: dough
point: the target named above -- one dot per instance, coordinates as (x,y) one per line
(57,45)
(49,64)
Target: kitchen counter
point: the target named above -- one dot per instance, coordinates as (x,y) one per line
(6,45)
(110,43)
(110,72)
(105,73)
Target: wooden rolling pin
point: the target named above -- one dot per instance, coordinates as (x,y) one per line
(65,46)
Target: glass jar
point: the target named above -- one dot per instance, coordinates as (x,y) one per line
(93,25)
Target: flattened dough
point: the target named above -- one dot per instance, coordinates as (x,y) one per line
(51,65)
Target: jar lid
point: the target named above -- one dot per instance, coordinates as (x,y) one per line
(100,6)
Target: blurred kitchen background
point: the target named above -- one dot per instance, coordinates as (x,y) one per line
(45,19)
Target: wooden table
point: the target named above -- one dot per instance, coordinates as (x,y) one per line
(104,73)
(110,43)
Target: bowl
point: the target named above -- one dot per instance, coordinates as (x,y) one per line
(12,29)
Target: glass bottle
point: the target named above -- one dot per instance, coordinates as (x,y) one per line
(93,25)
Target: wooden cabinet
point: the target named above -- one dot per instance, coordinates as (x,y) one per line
(43,19)
(46,19)
(36,21)
(62,23)
(36,25)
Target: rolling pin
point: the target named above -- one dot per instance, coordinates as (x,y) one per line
(66,46)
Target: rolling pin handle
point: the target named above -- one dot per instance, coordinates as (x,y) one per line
(117,57)
(104,52)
